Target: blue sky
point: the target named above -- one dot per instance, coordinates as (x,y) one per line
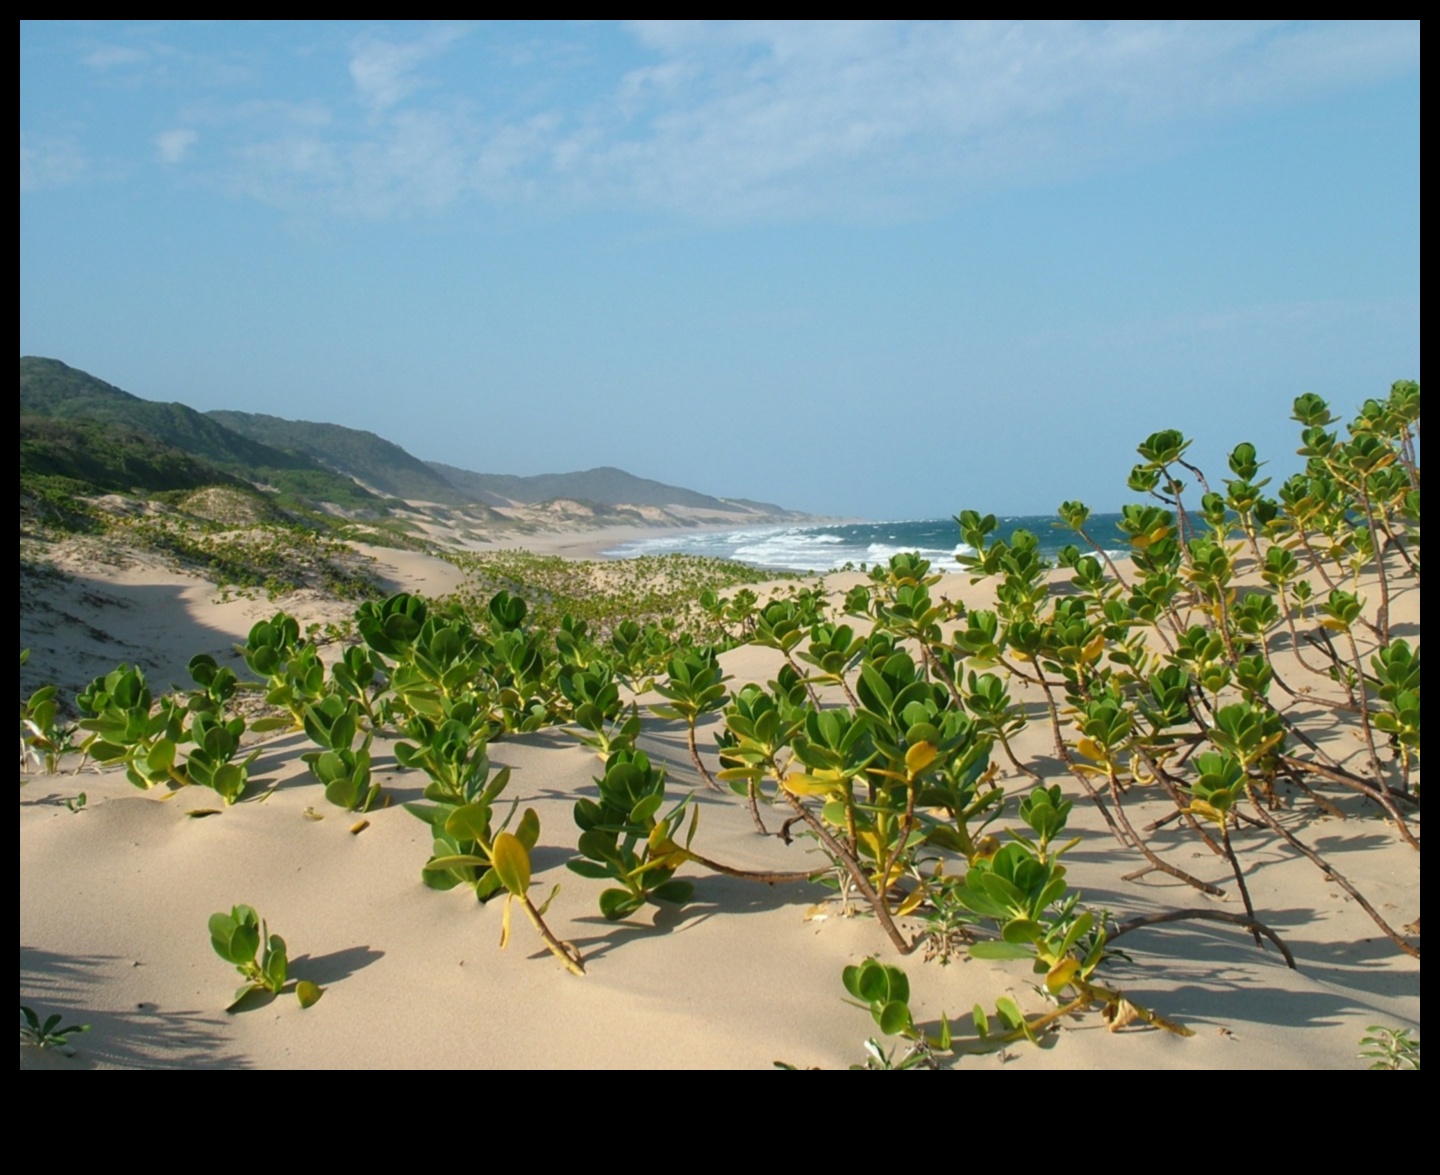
(873,269)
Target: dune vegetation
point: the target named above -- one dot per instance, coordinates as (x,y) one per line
(1241,663)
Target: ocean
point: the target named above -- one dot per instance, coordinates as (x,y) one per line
(830,546)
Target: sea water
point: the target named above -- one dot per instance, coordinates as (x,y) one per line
(831,546)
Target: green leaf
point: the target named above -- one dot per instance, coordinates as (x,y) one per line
(456,861)
(469,822)
(893,1018)
(276,963)
(161,757)
(1000,950)
(645,808)
(675,892)
(617,903)
(307,993)
(528,832)
(242,994)
(1022,930)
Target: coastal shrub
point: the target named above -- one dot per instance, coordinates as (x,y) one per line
(44,738)
(1390,1049)
(1157,679)
(130,726)
(262,959)
(625,838)
(50,1033)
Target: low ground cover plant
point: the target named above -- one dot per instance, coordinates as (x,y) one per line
(262,959)
(50,1033)
(884,736)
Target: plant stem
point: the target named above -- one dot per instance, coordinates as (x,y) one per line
(1331,872)
(1156,862)
(1239,875)
(1249,922)
(857,875)
(566,952)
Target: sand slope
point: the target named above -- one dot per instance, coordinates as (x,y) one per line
(114,901)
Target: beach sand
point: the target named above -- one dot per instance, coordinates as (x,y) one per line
(114,901)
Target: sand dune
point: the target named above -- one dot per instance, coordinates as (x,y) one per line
(114,900)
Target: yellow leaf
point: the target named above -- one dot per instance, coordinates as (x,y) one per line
(512,862)
(505,922)
(1061,974)
(985,849)
(800,784)
(919,756)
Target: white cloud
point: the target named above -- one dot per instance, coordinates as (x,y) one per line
(780,118)
(48,162)
(766,120)
(172,145)
(384,72)
(115,56)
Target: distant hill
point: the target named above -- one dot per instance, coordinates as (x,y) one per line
(380,464)
(53,389)
(103,436)
(606,486)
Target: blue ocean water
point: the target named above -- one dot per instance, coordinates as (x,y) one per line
(829,547)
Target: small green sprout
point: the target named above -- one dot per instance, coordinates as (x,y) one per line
(240,937)
(49,1034)
(1390,1048)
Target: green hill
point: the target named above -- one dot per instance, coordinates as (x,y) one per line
(106,456)
(607,486)
(371,459)
(52,389)
(117,441)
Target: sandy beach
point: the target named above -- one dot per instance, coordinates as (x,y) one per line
(115,897)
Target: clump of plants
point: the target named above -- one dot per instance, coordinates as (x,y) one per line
(658,590)
(45,738)
(885,735)
(129,726)
(1390,1049)
(50,1033)
(262,959)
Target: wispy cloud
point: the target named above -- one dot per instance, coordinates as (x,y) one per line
(770,120)
(385,71)
(782,118)
(173,144)
(49,162)
(115,57)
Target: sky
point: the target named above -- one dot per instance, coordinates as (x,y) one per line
(876,270)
